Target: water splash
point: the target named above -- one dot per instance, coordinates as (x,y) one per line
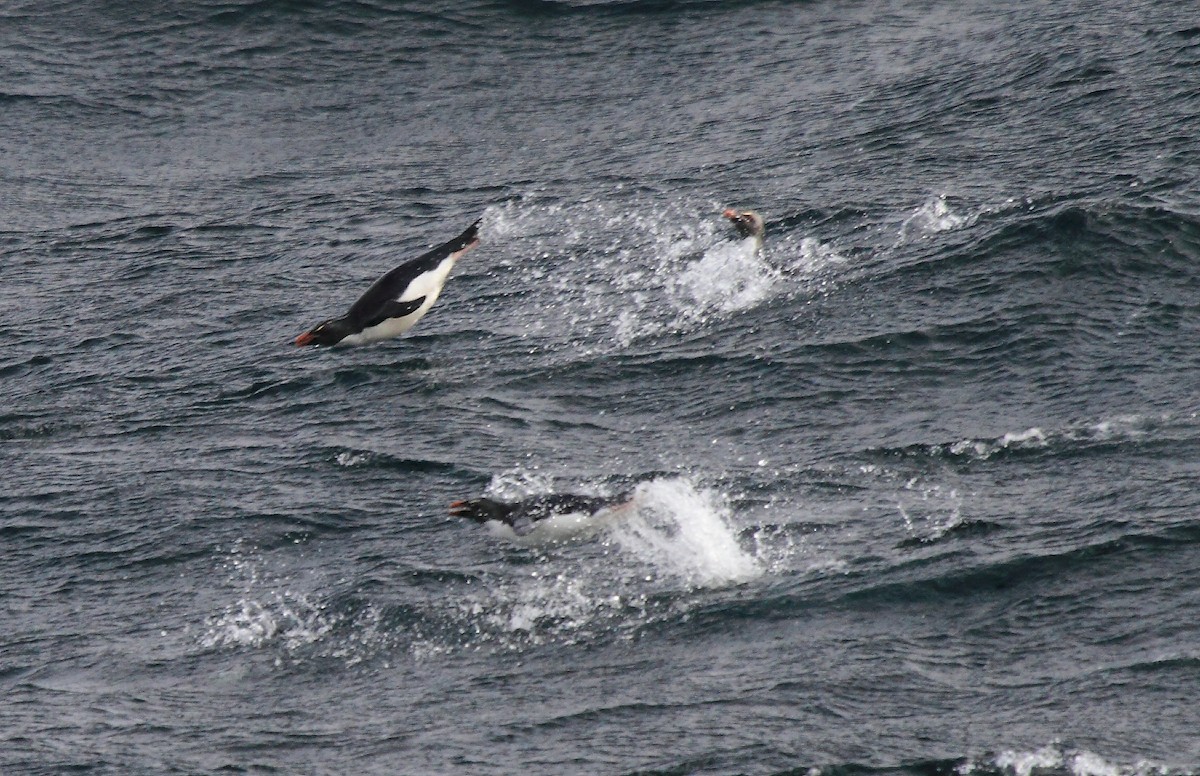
(639,566)
(608,273)
(676,539)
(517,483)
(814,257)
(1075,436)
(670,526)
(729,277)
(267,611)
(681,531)
(281,617)
(932,217)
(931,510)
(982,449)
(535,608)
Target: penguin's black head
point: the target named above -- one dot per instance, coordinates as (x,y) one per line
(482,509)
(747,222)
(325,333)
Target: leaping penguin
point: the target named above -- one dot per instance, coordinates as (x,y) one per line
(397,300)
(561,514)
(749,224)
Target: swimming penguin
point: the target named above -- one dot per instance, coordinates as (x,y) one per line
(749,224)
(554,515)
(397,300)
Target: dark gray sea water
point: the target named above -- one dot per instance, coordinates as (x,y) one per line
(915,489)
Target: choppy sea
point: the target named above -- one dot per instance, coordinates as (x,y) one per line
(915,489)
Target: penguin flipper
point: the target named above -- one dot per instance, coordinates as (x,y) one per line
(521,524)
(394,309)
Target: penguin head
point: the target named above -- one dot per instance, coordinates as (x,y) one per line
(325,333)
(747,222)
(482,510)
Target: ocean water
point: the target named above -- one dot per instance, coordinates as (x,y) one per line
(915,489)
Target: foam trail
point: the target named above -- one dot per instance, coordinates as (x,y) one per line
(682,532)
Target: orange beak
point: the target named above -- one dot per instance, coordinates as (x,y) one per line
(304,339)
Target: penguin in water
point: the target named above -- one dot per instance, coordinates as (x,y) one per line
(748,224)
(395,302)
(550,515)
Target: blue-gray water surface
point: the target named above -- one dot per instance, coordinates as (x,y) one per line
(915,488)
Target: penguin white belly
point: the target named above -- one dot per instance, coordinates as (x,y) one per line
(427,284)
(558,529)
(392,327)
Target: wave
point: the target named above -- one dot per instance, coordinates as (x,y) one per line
(971,573)
(15,427)
(957,528)
(933,217)
(1056,759)
(603,277)
(1012,294)
(1058,236)
(353,458)
(1112,434)
(608,7)
(66,106)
